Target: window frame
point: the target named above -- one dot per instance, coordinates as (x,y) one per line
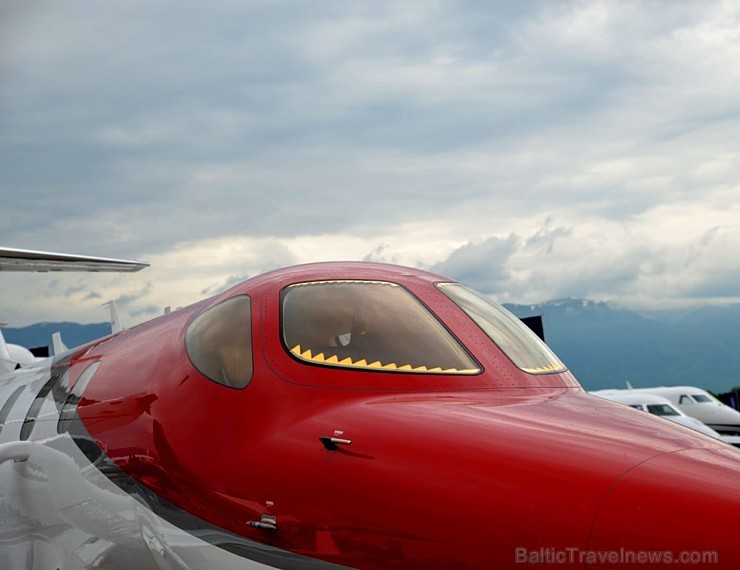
(407,371)
(556,367)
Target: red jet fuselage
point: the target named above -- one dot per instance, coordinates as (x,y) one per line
(484,467)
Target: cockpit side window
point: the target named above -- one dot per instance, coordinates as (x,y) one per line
(512,336)
(701,398)
(685,399)
(219,342)
(662,410)
(368,325)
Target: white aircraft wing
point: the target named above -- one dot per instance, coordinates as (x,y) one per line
(29,260)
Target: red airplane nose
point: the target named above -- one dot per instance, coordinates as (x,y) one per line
(679,508)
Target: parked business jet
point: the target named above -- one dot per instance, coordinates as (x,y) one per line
(699,404)
(344,415)
(663,407)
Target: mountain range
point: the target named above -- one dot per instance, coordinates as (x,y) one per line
(603,345)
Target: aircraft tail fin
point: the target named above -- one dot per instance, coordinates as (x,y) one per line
(58,344)
(115,319)
(629,385)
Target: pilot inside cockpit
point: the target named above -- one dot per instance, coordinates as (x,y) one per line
(368,324)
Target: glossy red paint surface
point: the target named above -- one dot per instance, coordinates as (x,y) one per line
(442,472)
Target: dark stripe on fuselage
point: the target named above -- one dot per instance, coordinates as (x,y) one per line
(9,403)
(54,382)
(68,411)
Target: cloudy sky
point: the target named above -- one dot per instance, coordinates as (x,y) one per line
(532,149)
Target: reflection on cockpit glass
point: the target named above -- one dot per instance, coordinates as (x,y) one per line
(512,336)
(370,325)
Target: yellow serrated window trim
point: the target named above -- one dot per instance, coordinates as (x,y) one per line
(321,358)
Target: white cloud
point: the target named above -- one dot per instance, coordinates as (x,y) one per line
(673,255)
(537,149)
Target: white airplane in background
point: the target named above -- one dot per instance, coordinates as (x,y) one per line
(14,356)
(696,403)
(663,407)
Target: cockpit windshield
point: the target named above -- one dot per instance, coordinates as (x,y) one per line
(512,336)
(368,325)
